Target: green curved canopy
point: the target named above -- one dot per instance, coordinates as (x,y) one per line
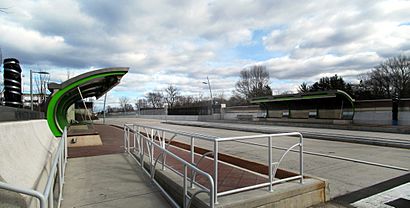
(91,84)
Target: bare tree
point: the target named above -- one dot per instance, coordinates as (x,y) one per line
(171,95)
(254,82)
(390,78)
(41,82)
(124,102)
(155,99)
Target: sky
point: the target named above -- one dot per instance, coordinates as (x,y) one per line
(180,43)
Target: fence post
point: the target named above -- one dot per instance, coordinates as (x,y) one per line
(163,146)
(301,157)
(125,141)
(192,161)
(270,163)
(185,185)
(216,171)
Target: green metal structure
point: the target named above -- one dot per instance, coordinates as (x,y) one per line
(91,84)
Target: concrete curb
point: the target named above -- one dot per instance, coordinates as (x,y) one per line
(332,137)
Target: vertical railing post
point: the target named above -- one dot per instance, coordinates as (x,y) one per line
(65,145)
(216,171)
(151,160)
(139,140)
(60,176)
(125,140)
(270,163)
(65,151)
(128,140)
(185,186)
(163,146)
(301,157)
(51,198)
(134,138)
(192,161)
(211,197)
(142,152)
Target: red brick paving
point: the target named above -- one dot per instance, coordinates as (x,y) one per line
(229,177)
(111,137)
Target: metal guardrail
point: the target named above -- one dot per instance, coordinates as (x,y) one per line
(154,137)
(151,143)
(58,165)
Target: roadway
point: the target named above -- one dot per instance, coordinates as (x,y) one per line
(347,166)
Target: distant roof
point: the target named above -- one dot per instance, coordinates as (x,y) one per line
(302,96)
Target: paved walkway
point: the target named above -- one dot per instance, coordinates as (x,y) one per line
(95,175)
(108,181)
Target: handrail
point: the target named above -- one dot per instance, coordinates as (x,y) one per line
(184,133)
(25,191)
(58,163)
(151,134)
(150,145)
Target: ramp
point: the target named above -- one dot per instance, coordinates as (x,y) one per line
(26,150)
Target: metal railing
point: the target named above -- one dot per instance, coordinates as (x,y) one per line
(58,165)
(148,142)
(155,137)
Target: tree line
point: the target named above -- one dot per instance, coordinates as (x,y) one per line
(389,79)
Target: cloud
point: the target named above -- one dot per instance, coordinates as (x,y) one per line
(182,42)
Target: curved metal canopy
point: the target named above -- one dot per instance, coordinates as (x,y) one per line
(91,84)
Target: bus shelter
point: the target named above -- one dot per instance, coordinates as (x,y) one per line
(335,105)
(91,84)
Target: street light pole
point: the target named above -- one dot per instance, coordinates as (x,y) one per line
(210,92)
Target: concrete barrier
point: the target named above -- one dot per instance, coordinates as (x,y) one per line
(18,114)
(26,151)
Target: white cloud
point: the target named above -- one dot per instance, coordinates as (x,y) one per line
(182,42)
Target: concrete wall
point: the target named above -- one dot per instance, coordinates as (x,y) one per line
(165,117)
(379,112)
(329,113)
(18,114)
(182,117)
(152,111)
(232,113)
(383,117)
(26,150)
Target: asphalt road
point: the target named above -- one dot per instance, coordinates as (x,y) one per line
(343,176)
